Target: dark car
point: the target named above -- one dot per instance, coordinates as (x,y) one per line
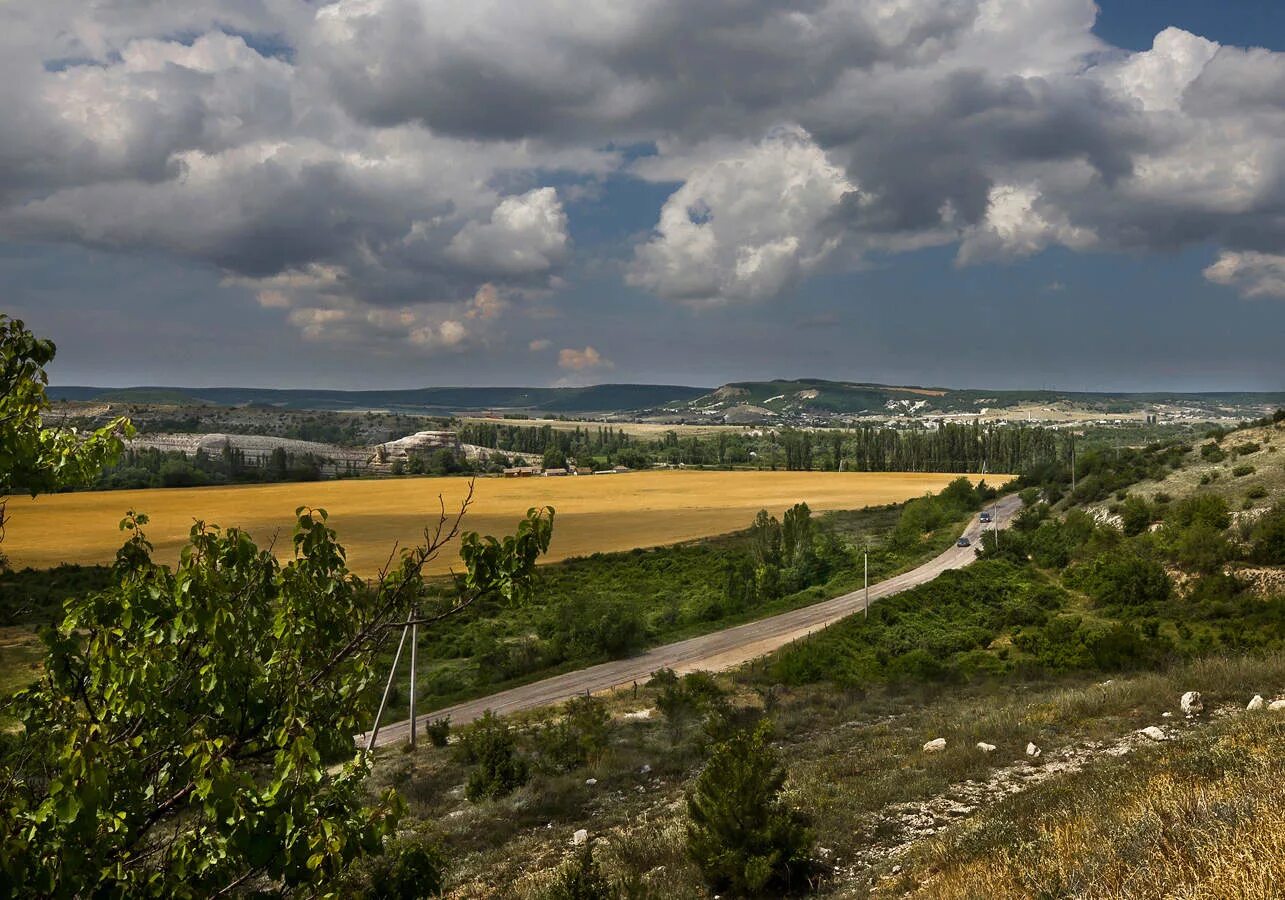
(985,518)
(963,542)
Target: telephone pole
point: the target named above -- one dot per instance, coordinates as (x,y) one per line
(866,611)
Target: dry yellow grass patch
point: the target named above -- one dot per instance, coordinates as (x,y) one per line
(599,513)
(1204,822)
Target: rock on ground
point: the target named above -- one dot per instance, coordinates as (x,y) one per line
(985,747)
(580,837)
(1032,750)
(1191,704)
(1257,702)
(935,745)
(1154,733)
(1276,704)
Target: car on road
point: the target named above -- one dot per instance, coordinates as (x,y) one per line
(963,542)
(985,518)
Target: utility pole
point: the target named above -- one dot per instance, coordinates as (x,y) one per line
(414,653)
(867,560)
(1072,462)
(388,687)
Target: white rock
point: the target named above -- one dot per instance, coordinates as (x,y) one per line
(1109,681)
(646,769)
(1191,704)
(1276,704)
(1032,750)
(1256,703)
(1166,715)
(591,781)
(896,870)
(935,745)
(580,837)
(985,747)
(1154,733)
(639,714)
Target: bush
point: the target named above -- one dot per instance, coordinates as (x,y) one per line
(1212,453)
(1124,579)
(1242,471)
(1204,509)
(580,879)
(578,738)
(410,868)
(438,731)
(739,833)
(489,743)
(1202,548)
(1269,537)
(1257,492)
(1136,515)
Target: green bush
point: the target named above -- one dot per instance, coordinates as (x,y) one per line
(1269,537)
(1123,579)
(438,730)
(1205,509)
(499,770)
(740,834)
(1212,453)
(578,738)
(409,868)
(1242,471)
(1257,492)
(579,878)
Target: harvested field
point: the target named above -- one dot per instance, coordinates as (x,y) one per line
(598,513)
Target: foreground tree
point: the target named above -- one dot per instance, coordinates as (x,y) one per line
(193,731)
(742,836)
(35,459)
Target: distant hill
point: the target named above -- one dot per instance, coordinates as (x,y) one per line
(816,398)
(599,398)
(802,401)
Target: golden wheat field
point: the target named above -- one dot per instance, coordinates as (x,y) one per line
(599,513)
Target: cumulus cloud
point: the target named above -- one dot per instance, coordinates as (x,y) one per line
(368,167)
(1255,274)
(745,227)
(581,360)
(539,345)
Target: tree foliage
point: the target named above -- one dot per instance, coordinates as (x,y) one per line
(193,730)
(740,833)
(35,459)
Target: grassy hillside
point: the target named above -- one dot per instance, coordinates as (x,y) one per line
(596,398)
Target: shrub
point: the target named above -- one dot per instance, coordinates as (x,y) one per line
(1204,509)
(1269,537)
(578,738)
(579,878)
(1257,492)
(1124,579)
(438,730)
(1136,515)
(489,743)
(410,868)
(1202,548)
(1242,471)
(740,834)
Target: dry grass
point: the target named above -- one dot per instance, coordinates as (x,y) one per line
(1204,818)
(601,513)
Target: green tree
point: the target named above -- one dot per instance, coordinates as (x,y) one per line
(554,458)
(740,834)
(35,459)
(193,731)
(1269,537)
(499,769)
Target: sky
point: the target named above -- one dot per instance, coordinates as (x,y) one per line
(402,193)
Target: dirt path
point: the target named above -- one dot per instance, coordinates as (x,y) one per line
(712,652)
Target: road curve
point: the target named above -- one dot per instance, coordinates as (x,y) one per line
(711,652)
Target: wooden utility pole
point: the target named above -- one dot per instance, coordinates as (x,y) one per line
(867,567)
(388,686)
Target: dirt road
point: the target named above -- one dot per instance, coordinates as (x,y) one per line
(712,652)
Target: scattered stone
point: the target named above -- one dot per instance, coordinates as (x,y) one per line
(1191,704)
(591,781)
(1032,751)
(580,837)
(1256,703)
(639,714)
(1154,733)
(985,747)
(1276,704)
(1106,683)
(896,870)
(935,745)
(1166,715)
(645,770)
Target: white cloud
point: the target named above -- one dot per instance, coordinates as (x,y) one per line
(539,345)
(747,225)
(579,360)
(526,235)
(1254,274)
